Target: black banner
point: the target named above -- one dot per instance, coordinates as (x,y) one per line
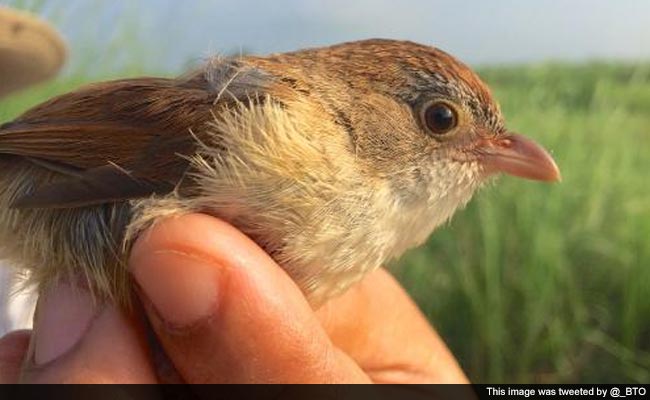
(323,392)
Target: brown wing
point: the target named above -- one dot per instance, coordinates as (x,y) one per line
(114,140)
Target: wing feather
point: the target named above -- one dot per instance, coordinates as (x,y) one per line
(124,139)
(112,141)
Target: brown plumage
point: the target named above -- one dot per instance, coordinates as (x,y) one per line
(332,159)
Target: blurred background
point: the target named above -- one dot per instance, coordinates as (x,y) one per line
(531,282)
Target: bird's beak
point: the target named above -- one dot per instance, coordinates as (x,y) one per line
(517,155)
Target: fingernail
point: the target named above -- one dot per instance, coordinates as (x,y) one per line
(183,288)
(63,315)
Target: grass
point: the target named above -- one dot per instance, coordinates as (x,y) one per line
(551,283)
(536,282)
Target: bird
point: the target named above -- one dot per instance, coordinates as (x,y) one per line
(333,159)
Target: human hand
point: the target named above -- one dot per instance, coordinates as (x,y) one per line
(224,312)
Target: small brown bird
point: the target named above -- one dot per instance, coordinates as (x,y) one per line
(332,159)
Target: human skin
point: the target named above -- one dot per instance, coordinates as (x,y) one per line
(225,312)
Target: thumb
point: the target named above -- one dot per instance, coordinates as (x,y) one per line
(224,312)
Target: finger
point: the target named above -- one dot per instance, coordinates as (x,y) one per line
(13,348)
(225,312)
(381,328)
(77,340)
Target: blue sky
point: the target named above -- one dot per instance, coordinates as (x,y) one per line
(165,35)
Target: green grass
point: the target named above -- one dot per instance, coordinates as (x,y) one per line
(536,282)
(551,283)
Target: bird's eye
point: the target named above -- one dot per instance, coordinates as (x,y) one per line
(440,118)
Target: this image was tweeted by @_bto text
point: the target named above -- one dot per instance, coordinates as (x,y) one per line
(563,391)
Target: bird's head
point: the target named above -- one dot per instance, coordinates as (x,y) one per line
(423,118)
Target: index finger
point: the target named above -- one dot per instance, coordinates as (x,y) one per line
(381,328)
